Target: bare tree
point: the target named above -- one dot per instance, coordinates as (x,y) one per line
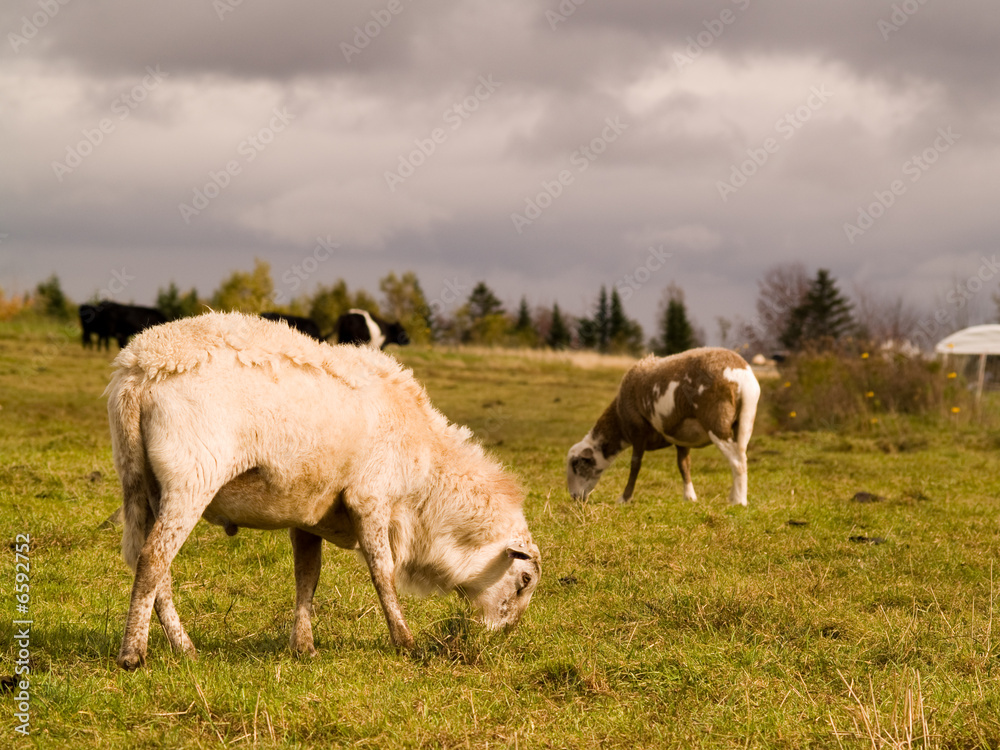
(782,289)
(885,319)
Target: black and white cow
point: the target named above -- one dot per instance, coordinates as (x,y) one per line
(361,327)
(305,325)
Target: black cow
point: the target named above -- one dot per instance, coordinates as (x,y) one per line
(361,327)
(98,320)
(90,326)
(111,320)
(305,325)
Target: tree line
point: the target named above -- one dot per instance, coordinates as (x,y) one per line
(793,311)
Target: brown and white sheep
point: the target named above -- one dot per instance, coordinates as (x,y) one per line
(248,423)
(689,400)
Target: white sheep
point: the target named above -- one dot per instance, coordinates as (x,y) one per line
(689,400)
(249,423)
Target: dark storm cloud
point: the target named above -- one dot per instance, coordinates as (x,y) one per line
(949,42)
(693,93)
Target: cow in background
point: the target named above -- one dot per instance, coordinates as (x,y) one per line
(111,320)
(128,320)
(361,327)
(305,325)
(90,326)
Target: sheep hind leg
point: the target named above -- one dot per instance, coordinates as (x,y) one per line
(307,553)
(684,465)
(737,458)
(170,620)
(151,572)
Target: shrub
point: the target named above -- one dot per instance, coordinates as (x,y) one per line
(12,306)
(852,387)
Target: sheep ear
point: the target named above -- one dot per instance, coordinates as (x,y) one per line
(517,549)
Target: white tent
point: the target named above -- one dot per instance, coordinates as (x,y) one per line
(981,340)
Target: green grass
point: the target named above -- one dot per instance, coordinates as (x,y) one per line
(804,620)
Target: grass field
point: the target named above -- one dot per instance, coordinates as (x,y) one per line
(804,620)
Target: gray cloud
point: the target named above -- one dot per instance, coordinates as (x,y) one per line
(704,95)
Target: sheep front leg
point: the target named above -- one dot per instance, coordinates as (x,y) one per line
(307,553)
(633,474)
(684,464)
(373,540)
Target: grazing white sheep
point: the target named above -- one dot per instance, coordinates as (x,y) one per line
(689,400)
(246,422)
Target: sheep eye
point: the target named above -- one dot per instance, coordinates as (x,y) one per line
(525,581)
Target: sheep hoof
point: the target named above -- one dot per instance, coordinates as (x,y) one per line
(623,500)
(130,660)
(306,653)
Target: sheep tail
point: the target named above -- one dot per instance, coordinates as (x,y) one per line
(124,397)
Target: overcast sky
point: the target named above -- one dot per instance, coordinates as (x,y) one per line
(545,147)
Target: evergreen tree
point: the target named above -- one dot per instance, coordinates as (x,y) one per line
(51,301)
(617,321)
(676,332)
(558,337)
(824,315)
(524,322)
(624,334)
(482,320)
(525,332)
(595,332)
(173,305)
(483,302)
